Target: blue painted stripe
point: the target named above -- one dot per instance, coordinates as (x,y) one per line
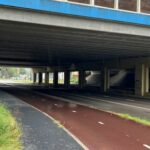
(80,10)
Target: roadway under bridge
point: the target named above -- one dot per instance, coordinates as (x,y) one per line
(82,57)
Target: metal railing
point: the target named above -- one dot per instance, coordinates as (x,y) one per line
(139,6)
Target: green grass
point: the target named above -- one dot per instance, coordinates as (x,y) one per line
(22,81)
(135,119)
(10,131)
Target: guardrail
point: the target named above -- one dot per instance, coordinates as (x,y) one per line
(139,6)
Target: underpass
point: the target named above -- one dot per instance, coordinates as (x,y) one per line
(54,41)
(93,55)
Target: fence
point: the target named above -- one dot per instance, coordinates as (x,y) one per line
(140,6)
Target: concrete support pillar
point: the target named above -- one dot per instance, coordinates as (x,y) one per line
(105,76)
(81,78)
(34,77)
(141,80)
(138,8)
(40,77)
(55,79)
(67,78)
(47,78)
(147,79)
(116,4)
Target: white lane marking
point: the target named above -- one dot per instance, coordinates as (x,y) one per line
(106,96)
(147,146)
(55,104)
(74,111)
(65,129)
(131,100)
(103,100)
(101,123)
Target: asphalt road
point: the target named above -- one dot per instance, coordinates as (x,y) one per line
(134,106)
(137,107)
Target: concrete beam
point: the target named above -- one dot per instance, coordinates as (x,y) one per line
(58,20)
(121,63)
(126,62)
(39,69)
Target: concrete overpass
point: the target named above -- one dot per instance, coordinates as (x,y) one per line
(69,36)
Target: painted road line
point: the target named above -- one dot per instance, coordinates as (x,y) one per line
(106,96)
(85,97)
(101,123)
(74,111)
(147,146)
(65,129)
(65,99)
(103,100)
(131,100)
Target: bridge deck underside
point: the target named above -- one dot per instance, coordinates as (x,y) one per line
(32,44)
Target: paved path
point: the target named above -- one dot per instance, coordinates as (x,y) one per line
(98,130)
(133,106)
(39,132)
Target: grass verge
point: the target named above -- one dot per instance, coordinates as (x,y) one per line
(10,131)
(135,119)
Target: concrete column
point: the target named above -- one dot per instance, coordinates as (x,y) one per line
(138,8)
(116,4)
(81,78)
(147,79)
(47,78)
(92,2)
(67,78)
(40,77)
(55,79)
(34,77)
(105,76)
(140,80)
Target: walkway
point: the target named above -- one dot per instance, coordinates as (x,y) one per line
(137,107)
(39,131)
